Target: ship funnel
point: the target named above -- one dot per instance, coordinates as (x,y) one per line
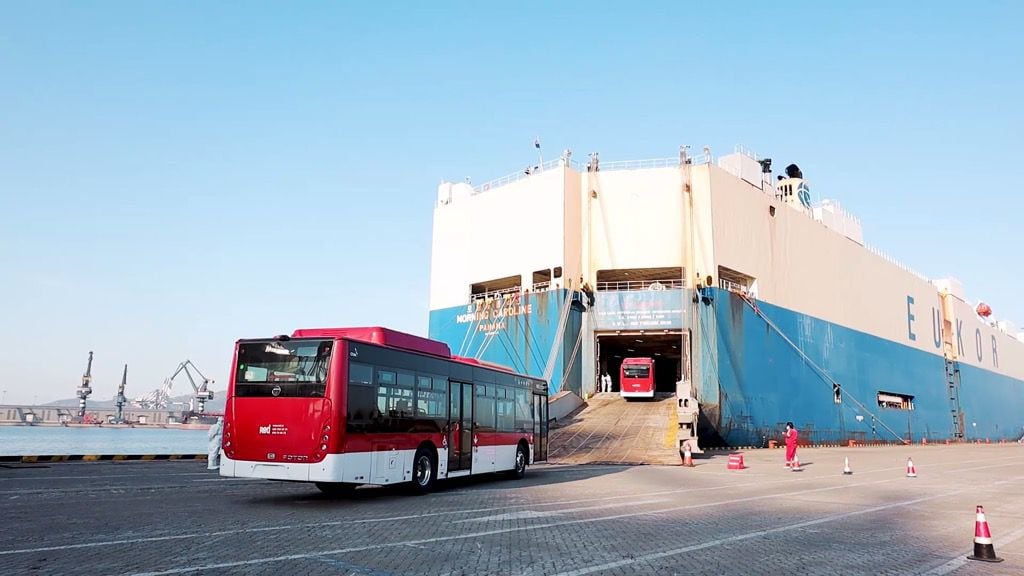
(794,190)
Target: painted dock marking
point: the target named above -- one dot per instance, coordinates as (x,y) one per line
(364,521)
(41,477)
(470,511)
(315,555)
(962,558)
(750,535)
(539,514)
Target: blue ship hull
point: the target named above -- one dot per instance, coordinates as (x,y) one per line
(521,333)
(753,382)
(749,380)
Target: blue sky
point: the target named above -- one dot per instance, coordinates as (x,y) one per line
(176,175)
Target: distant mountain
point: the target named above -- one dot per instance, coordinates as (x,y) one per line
(215,405)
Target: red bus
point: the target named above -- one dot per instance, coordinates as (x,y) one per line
(636,378)
(341,407)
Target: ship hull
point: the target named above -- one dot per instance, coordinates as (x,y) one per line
(752,381)
(753,369)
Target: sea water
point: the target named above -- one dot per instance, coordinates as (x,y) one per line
(58,440)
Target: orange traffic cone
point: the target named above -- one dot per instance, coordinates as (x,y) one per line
(796,465)
(736,462)
(687,456)
(911,471)
(983,549)
(846,467)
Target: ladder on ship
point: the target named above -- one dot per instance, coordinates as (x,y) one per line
(953,386)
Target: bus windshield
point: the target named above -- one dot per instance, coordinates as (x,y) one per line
(283,368)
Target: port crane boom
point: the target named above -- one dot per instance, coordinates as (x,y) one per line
(120,399)
(85,389)
(161,397)
(201,393)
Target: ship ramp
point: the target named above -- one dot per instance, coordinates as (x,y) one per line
(610,430)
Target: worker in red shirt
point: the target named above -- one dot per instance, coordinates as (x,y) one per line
(791,436)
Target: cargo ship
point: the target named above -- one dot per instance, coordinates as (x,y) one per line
(759,303)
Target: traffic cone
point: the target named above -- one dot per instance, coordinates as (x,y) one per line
(687,456)
(796,464)
(846,467)
(983,549)
(736,462)
(911,471)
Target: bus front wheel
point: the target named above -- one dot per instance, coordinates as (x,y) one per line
(521,459)
(424,471)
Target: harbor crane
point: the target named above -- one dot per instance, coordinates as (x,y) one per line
(201,393)
(85,389)
(120,399)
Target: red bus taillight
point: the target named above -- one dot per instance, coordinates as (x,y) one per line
(229,446)
(324,442)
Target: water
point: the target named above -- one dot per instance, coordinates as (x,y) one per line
(45,440)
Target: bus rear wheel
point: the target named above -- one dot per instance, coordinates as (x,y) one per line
(424,471)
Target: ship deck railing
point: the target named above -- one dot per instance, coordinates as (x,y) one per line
(644,164)
(648,163)
(496,293)
(527,172)
(673,284)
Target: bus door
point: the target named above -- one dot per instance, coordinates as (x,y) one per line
(540,428)
(460,426)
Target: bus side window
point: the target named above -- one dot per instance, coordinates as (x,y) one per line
(485,408)
(362,396)
(431,404)
(524,411)
(404,394)
(424,396)
(506,409)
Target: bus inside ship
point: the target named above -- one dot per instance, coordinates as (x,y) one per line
(664,348)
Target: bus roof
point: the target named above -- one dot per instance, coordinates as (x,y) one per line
(484,364)
(637,360)
(381,336)
(395,339)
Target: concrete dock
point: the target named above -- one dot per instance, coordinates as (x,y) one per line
(176,517)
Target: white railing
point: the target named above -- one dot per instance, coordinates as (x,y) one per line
(732,286)
(638,164)
(526,173)
(642,285)
(741,149)
(649,163)
(534,169)
(835,207)
(896,262)
(496,293)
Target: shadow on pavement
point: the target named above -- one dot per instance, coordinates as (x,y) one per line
(539,476)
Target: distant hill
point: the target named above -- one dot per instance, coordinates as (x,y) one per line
(215,405)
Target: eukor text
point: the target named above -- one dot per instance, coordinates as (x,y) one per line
(976,347)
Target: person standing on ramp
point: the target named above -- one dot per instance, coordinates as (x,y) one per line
(791,437)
